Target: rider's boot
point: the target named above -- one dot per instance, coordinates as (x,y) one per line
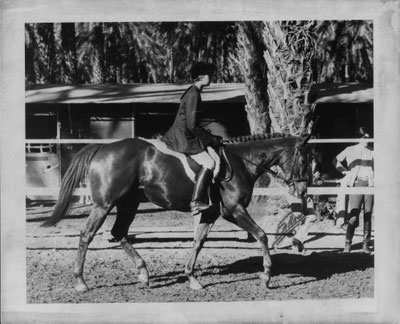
(367,237)
(349,237)
(200,193)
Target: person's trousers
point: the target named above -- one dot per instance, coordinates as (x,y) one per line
(354,208)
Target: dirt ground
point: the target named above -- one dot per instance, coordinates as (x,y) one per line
(227,266)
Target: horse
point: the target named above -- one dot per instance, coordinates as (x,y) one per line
(117,171)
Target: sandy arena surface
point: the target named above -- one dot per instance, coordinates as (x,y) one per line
(227,266)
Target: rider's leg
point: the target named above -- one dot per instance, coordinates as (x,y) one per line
(200,193)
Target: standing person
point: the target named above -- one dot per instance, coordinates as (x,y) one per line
(360,173)
(188,137)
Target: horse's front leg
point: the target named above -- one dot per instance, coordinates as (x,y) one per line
(202,226)
(240,217)
(142,272)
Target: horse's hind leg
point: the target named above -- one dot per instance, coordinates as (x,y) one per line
(241,218)
(202,226)
(126,210)
(94,222)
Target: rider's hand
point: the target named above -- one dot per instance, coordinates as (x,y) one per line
(217,141)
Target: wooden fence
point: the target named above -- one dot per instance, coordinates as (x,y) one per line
(53,192)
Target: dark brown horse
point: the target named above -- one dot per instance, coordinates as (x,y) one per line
(115,172)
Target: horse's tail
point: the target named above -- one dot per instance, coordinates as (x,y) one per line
(75,174)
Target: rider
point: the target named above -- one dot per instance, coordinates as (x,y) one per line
(188,137)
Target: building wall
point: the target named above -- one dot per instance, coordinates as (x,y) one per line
(339,120)
(116,121)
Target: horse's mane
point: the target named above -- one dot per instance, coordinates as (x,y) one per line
(252,138)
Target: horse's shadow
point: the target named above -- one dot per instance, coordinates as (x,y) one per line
(315,267)
(320,265)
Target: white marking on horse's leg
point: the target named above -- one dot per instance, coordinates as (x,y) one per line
(94,222)
(80,284)
(140,264)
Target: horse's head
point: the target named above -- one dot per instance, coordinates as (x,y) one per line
(267,150)
(296,166)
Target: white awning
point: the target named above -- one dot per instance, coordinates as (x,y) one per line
(132,93)
(342,93)
(171,93)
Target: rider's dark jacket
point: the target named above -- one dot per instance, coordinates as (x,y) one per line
(186,135)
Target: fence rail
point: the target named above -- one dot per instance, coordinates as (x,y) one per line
(54,191)
(105,141)
(257,191)
(339,140)
(70,141)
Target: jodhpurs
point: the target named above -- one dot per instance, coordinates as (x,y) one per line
(205,159)
(355,203)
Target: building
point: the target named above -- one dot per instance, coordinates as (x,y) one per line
(339,110)
(61,119)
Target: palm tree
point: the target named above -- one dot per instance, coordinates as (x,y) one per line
(188,42)
(31,63)
(41,45)
(68,53)
(299,53)
(345,51)
(251,49)
(90,50)
(290,50)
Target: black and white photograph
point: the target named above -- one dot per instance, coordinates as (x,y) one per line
(174,164)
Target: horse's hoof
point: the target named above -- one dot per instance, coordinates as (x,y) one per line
(81,287)
(194,284)
(144,276)
(265,278)
(297,245)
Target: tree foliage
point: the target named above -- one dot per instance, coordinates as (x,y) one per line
(278,61)
(300,53)
(335,51)
(119,53)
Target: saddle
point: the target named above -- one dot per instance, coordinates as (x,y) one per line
(191,167)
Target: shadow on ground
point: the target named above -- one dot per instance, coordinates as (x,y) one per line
(319,265)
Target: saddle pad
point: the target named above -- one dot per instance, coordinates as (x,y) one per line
(162,147)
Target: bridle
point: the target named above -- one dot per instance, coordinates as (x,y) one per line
(289,181)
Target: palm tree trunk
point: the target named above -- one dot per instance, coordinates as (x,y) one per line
(288,56)
(98,76)
(170,55)
(69,56)
(253,65)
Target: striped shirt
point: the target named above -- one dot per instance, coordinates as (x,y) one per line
(360,163)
